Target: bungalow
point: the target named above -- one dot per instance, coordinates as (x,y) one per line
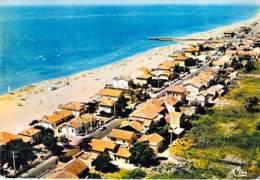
(148,111)
(123,83)
(107,105)
(181,60)
(179,92)
(155,141)
(100,146)
(77,108)
(123,155)
(122,137)
(57,118)
(113,94)
(160,74)
(194,50)
(77,126)
(141,76)
(133,126)
(32,134)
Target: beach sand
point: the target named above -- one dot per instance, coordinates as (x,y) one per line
(17,110)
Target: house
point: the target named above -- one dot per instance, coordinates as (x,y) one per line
(123,155)
(148,111)
(133,126)
(77,108)
(176,122)
(113,94)
(175,118)
(107,105)
(121,82)
(77,167)
(193,88)
(229,34)
(242,54)
(181,60)
(100,146)
(6,137)
(215,91)
(178,92)
(202,98)
(192,51)
(171,103)
(159,74)
(141,76)
(32,134)
(57,118)
(78,125)
(122,137)
(155,141)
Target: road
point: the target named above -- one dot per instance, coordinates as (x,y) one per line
(188,76)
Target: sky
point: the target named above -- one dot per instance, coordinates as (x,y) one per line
(86,2)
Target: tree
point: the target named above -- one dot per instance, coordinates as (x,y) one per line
(49,140)
(250,66)
(65,141)
(142,154)
(134,174)
(103,163)
(84,144)
(21,151)
(250,103)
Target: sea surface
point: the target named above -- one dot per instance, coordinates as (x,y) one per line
(43,42)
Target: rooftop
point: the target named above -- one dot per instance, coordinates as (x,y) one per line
(101,145)
(30,132)
(110,92)
(121,134)
(73,106)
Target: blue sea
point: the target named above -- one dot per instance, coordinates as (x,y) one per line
(44,42)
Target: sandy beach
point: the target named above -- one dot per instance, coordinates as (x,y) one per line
(18,109)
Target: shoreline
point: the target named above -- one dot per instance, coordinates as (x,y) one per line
(33,102)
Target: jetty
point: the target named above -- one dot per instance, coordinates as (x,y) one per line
(175,39)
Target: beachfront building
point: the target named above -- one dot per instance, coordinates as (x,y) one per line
(107,105)
(77,108)
(181,60)
(122,137)
(155,141)
(100,145)
(31,135)
(79,125)
(57,118)
(141,76)
(113,94)
(192,51)
(178,92)
(215,91)
(151,110)
(122,82)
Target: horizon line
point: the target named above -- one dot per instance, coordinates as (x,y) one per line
(128,4)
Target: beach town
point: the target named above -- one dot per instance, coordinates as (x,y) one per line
(132,117)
